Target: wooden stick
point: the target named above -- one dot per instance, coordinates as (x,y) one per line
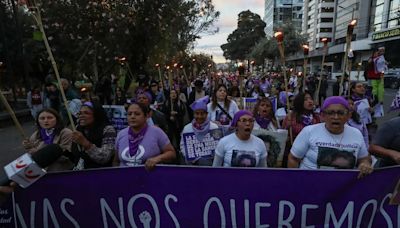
(38,19)
(320,75)
(346,59)
(12,114)
(303,89)
(282,54)
(170,88)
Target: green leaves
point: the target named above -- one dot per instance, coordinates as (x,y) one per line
(240,42)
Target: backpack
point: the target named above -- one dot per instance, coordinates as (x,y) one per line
(370,70)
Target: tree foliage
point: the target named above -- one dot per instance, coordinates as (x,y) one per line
(87,36)
(267,48)
(249,31)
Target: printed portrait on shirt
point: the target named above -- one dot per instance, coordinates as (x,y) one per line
(243,158)
(222,117)
(335,158)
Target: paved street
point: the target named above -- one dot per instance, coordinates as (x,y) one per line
(10,139)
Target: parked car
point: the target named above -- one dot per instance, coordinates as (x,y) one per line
(392,79)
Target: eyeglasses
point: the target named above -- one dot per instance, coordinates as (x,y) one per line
(246,120)
(333,113)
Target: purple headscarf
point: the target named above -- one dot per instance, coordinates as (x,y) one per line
(238,115)
(200,104)
(335,100)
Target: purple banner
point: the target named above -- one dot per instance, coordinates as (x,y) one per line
(209,197)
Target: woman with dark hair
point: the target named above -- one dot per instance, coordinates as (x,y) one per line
(174,110)
(141,143)
(257,92)
(50,130)
(94,138)
(303,115)
(120,98)
(234,90)
(356,122)
(221,109)
(362,104)
(264,115)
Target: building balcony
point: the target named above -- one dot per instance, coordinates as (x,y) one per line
(326,5)
(325,25)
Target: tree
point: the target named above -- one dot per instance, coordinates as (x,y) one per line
(267,48)
(88,36)
(249,31)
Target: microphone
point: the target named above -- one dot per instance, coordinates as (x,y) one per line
(28,168)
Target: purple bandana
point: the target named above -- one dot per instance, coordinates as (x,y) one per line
(356,98)
(307,119)
(135,139)
(200,130)
(47,135)
(263,121)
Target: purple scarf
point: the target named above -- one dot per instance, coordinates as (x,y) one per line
(135,139)
(263,121)
(47,135)
(200,130)
(307,119)
(356,98)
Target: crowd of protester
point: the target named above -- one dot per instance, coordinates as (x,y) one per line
(331,133)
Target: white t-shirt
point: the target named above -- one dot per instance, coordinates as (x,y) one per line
(320,149)
(218,115)
(363,110)
(241,153)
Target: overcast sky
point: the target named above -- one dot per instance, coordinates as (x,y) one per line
(227,23)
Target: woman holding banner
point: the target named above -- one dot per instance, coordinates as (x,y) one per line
(141,143)
(241,149)
(50,130)
(200,127)
(332,144)
(264,115)
(94,138)
(221,109)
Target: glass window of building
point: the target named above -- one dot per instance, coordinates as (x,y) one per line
(325,30)
(327,10)
(326,19)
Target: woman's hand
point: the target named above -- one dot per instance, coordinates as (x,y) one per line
(27,144)
(151,163)
(79,138)
(365,169)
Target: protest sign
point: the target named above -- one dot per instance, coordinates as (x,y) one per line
(117,116)
(275,141)
(249,103)
(205,148)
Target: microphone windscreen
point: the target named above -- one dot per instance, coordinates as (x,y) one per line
(47,155)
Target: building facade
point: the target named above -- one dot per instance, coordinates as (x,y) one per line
(278,12)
